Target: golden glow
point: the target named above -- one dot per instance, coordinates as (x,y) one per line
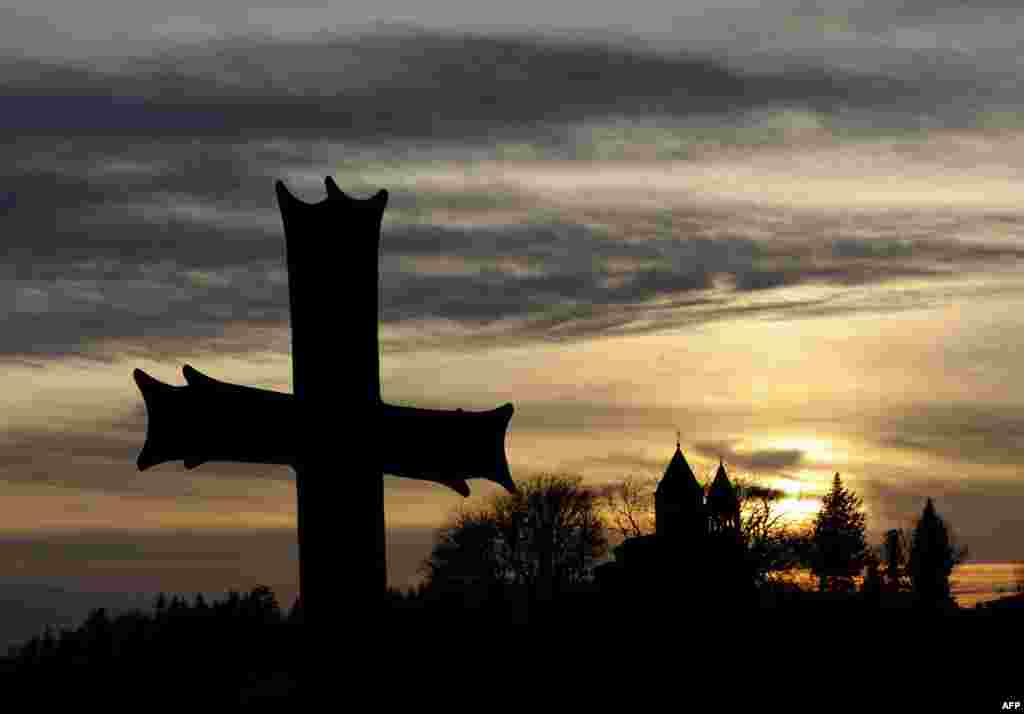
(798,511)
(820,450)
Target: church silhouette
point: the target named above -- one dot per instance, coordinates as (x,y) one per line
(696,549)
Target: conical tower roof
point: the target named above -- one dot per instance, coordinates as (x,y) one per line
(679,483)
(722,496)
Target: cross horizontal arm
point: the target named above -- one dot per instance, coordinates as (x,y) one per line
(210,420)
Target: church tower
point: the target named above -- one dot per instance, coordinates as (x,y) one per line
(697,551)
(723,504)
(679,502)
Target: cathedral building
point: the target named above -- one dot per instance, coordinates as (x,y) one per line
(696,536)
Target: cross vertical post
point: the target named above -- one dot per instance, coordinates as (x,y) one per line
(333,287)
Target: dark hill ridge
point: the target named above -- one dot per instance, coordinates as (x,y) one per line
(27,608)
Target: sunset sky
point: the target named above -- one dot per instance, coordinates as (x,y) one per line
(792,231)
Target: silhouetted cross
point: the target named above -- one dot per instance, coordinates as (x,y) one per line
(336,432)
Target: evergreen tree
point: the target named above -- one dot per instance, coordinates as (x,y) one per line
(839,549)
(177,607)
(933,555)
(894,555)
(261,605)
(160,606)
(200,605)
(872,586)
(48,643)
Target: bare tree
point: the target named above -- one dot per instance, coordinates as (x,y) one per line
(464,552)
(628,506)
(775,544)
(548,533)
(557,529)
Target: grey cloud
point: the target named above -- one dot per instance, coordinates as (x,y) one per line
(65,211)
(757,461)
(884,248)
(769,459)
(982,434)
(418,207)
(578,280)
(69,294)
(414,84)
(763,279)
(926,12)
(927,250)
(62,317)
(572,258)
(125,237)
(94,255)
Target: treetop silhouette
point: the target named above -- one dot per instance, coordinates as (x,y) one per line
(840,547)
(933,555)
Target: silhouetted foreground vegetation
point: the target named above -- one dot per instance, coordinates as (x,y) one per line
(196,645)
(244,648)
(531,559)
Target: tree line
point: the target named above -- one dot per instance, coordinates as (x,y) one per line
(198,639)
(555,530)
(512,557)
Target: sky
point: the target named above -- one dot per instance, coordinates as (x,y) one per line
(791,231)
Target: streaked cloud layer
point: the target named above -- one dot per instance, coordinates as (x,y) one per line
(807,269)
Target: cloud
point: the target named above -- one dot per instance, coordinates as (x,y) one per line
(157,220)
(629,462)
(968,435)
(85,269)
(393,85)
(929,12)
(758,461)
(94,256)
(576,415)
(514,282)
(574,279)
